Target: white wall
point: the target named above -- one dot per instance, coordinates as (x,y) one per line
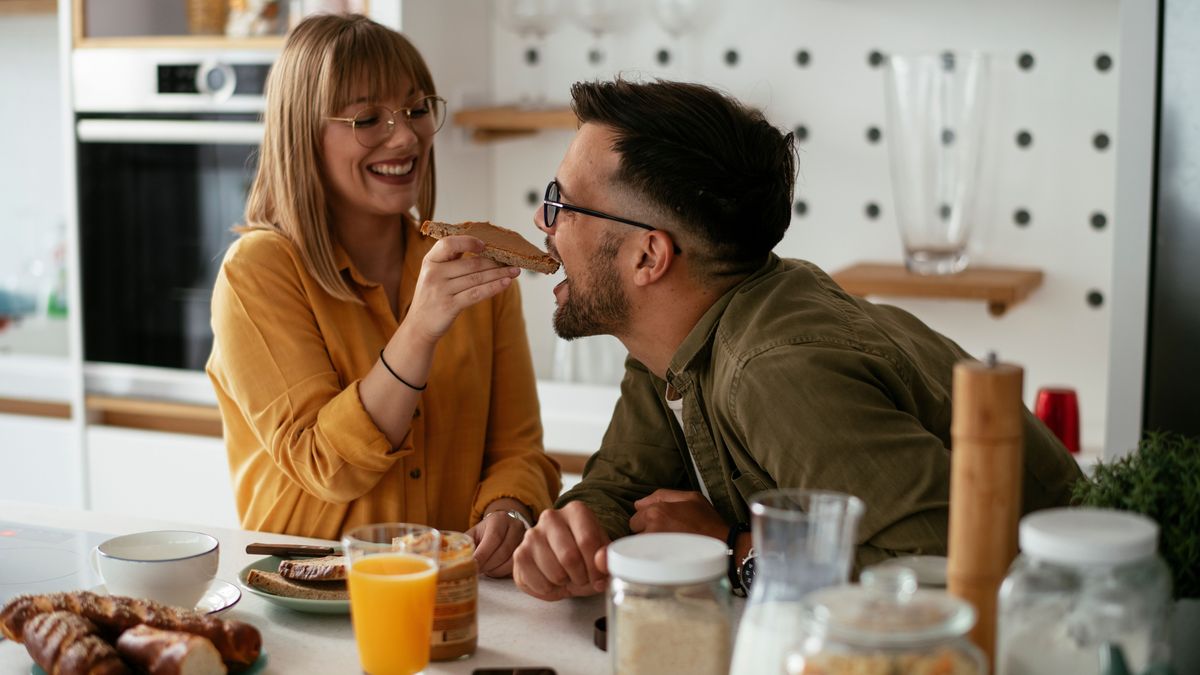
(1061,179)
(31,170)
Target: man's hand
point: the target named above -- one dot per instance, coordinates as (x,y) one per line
(497,536)
(677,511)
(563,555)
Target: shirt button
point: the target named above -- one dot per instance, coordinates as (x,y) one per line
(416,413)
(415,473)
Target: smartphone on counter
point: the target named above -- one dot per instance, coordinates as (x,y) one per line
(525,670)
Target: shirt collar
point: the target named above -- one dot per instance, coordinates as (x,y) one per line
(416,245)
(700,336)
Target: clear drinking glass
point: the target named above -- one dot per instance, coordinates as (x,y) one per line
(936,107)
(804,540)
(393,574)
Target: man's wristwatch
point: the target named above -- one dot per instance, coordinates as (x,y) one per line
(746,569)
(735,582)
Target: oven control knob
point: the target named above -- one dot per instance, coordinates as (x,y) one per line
(216,79)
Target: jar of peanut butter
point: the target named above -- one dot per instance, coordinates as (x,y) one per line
(454,621)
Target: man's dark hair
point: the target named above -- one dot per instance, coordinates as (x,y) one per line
(715,163)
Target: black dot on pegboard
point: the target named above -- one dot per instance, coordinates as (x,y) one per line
(947,136)
(1095,298)
(1100,141)
(663,56)
(874,134)
(595,57)
(1025,61)
(1099,221)
(1021,217)
(948,61)
(803,58)
(944,211)
(875,58)
(872,210)
(800,132)
(532,197)
(531,56)
(800,207)
(1024,139)
(731,57)
(1104,62)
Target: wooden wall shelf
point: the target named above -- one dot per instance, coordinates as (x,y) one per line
(28,6)
(501,122)
(999,287)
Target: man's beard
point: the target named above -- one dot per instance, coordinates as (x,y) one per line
(599,308)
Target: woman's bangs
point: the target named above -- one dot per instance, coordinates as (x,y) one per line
(372,64)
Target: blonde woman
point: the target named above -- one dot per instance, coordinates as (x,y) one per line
(365,373)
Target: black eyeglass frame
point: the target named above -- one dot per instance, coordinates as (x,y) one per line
(548,216)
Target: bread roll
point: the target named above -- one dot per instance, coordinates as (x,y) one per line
(64,643)
(239,643)
(164,652)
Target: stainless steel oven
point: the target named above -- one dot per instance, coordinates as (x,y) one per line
(166,151)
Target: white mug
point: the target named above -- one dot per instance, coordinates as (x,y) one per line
(173,567)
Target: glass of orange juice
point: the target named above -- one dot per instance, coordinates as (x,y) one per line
(393,587)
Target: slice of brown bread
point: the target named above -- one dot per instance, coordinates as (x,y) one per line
(276,584)
(500,244)
(314,569)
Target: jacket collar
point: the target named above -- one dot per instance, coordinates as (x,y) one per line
(700,337)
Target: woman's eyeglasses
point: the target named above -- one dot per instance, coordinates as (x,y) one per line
(552,204)
(373,125)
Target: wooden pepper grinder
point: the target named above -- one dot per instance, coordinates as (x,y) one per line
(985,487)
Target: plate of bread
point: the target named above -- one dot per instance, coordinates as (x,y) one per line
(316,585)
(84,632)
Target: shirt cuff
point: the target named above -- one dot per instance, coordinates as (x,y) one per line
(348,428)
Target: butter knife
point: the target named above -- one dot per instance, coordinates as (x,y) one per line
(290,550)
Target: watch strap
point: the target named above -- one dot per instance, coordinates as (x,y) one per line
(735,531)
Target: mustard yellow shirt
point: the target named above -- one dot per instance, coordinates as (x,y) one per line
(304,455)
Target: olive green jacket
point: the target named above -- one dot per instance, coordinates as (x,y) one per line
(788,381)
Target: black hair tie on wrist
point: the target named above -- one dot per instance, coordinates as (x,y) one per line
(401,379)
(735,583)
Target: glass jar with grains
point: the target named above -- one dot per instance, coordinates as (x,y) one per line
(668,605)
(885,626)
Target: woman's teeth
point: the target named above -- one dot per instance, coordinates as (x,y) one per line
(394,169)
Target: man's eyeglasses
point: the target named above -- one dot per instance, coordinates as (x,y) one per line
(552,204)
(375,124)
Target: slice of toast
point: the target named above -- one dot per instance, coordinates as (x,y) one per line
(329,568)
(276,584)
(500,244)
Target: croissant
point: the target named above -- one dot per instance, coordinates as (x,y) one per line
(63,643)
(238,643)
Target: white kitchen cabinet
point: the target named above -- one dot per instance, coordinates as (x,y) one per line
(166,475)
(39,461)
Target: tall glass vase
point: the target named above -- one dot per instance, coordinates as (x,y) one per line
(936,111)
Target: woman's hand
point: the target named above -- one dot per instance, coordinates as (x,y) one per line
(497,536)
(449,283)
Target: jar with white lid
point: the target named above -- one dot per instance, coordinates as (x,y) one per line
(1085,578)
(885,625)
(668,605)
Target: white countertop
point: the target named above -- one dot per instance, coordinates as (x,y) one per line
(514,629)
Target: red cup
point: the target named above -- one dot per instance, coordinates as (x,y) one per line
(1058,408)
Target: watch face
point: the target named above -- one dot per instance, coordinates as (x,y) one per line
(746,576)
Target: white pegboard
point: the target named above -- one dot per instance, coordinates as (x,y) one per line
(1060,179)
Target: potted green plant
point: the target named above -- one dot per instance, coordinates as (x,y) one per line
(1161,480)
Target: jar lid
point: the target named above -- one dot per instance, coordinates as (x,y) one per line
(667,558)
(888,610)
(1087,536)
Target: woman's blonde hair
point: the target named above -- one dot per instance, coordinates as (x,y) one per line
(325,60)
